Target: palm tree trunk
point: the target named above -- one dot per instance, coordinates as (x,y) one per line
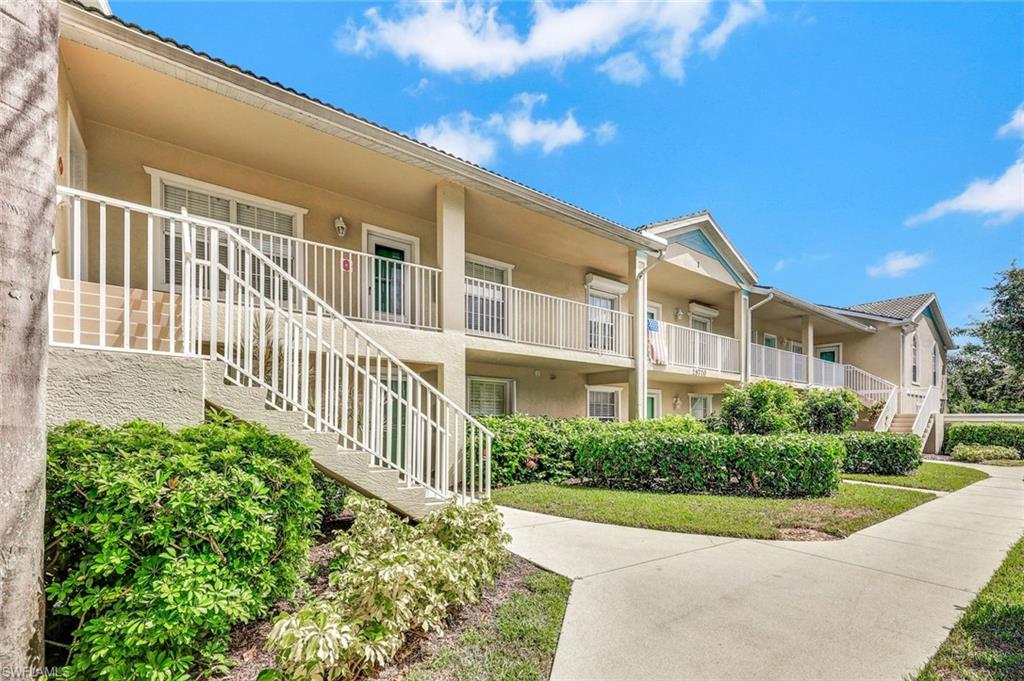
(28,148)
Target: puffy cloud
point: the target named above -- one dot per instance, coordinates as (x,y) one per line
(462,135)
(738,14)
(606,132)
(1002,198)
(625,68)
(898,264)
(1015,126)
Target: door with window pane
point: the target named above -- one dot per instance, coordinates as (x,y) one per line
(486,299)
(601,322)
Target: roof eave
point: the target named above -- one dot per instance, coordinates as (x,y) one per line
(696,219)
(808,306)
(97,30)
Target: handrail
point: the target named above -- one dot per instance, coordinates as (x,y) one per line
(701,349)
(777,364)
(928,407)
(405,423)
(889,410)
(867,385)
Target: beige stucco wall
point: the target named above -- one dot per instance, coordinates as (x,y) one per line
(927,336)
(113,387)
(551,393)
(876,353)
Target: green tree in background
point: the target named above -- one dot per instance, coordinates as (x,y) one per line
(987,374)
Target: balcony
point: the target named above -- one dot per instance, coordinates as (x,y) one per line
(778,365)
(681,346)
(521,316)
(791,367)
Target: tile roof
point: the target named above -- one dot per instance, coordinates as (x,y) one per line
(896,308)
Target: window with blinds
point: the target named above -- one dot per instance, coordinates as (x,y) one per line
(489,397)
(485,304)
(266,223)
(603,405)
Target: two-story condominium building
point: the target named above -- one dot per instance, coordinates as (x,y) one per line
(225,240)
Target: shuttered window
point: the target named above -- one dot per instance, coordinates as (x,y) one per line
(490,396)
(603,405)
(485,305)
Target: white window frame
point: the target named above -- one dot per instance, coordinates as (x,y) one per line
(935,364)
(372,236)
(384,234)
(656,394)
(655,308)
(793,345)
(591,389)
(838,347)
(603,287)
(157,178)
(764,340)
(700,396)
(915,359)
(510,390)
(491,262)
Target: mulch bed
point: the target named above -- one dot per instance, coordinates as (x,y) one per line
(248,642)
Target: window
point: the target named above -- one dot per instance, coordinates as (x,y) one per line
(700,323)
(654,310)
(653,404)
(914,358)
(486,295)
(700,406)
(796,347)
(490,396)
(603,297)
(935,364)
(265,220)
(603,403)
(771,340)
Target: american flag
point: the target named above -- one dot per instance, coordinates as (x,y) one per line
(657,349)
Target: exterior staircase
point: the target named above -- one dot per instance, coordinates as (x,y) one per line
(902,423)
(275,352)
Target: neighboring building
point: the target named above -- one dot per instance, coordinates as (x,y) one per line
(379,287)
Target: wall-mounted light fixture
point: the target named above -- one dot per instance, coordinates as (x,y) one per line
(676,402)
(340,227)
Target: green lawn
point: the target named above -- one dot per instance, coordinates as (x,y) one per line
(988,641)
(517,644)
(853,508)
(938,476)
(1004,462)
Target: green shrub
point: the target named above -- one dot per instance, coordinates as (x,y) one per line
(761,408)
(1002,434)
(881,453)
(776,466)
(332,497)
(389,579)
(161,541)
(534,448)
(980,453)
(828,410)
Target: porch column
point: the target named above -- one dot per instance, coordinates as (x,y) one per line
(741,330)
(638,376)
(808,342)
(451,256)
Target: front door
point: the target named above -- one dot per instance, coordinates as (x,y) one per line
(389,286)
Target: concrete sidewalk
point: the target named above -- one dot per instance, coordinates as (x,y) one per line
(660,605)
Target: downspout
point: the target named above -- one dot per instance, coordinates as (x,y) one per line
(750,326)
(643,273)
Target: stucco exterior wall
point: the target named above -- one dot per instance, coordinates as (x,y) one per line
(110,388)
(927,336)
(551,393)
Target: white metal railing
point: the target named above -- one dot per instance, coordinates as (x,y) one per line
(868,386)
(889,410)
(699,349)
(515,314)
(360,286)
(929,405)
(780,365)
(828,374)
(246,310)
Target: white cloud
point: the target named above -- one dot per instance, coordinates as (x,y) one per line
(606,132)
(1015,126)
(522,129)
(417,89)
(1002,198)
(469,36)
(625,68)
(898,264)
(780,264)
(738,14)
(463,135)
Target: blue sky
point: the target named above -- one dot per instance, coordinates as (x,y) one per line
(852,151)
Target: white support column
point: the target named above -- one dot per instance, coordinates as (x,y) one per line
(451,255)
(638,377)
(741,329)
(808,342)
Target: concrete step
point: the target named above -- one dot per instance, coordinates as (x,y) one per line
(352,468)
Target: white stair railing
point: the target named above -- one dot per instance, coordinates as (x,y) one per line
(868,386)
(242,308)
(828,374)
(889,410)
(928,407)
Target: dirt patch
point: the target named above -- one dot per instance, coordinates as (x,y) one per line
(248,643)
(826,512)
(804,534)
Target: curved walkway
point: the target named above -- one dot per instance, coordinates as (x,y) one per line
(647,604)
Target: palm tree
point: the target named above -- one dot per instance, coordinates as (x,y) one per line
(28,146)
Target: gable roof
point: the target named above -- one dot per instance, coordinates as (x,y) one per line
(903,307)
(92,26)
(700,231)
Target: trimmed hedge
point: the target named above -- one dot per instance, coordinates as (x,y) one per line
(832,410)
(769,408)
(159,542)
(540,448)
(980,453)
(628,457)
(881,453)
(1001,434)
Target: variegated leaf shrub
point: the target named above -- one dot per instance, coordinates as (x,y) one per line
(389,578)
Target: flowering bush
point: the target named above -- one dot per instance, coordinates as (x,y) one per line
(389,578)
